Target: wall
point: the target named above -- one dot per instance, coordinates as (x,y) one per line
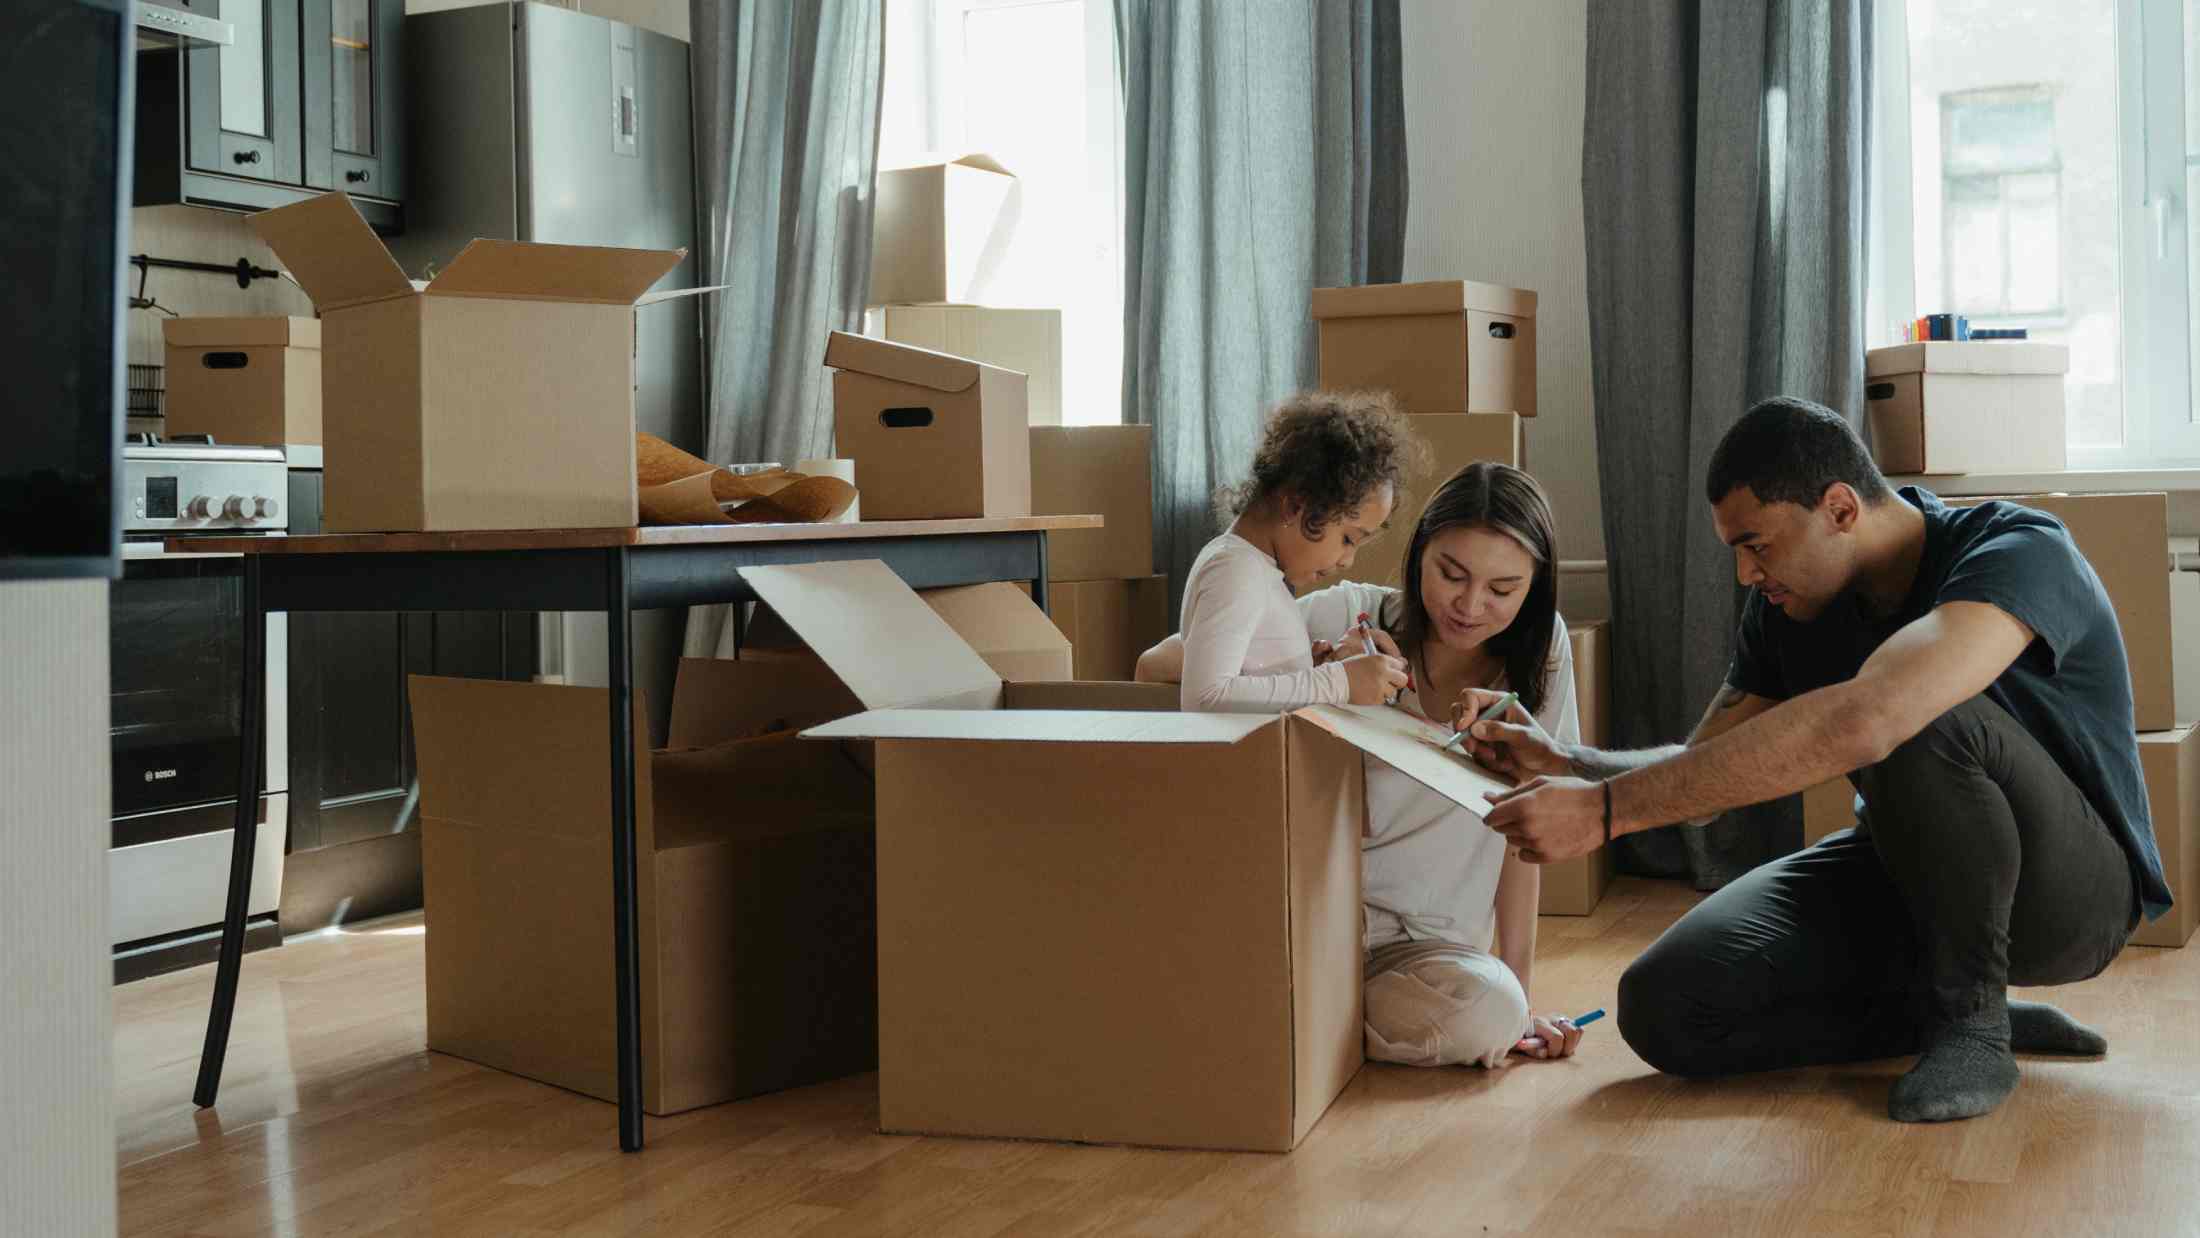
(1493,132)
(57,1146)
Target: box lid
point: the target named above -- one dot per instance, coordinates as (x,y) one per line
(974,159)
(1968,357)
(266,331)
(525,271)
(886,645)
(1064,726)
(331,252)
(1410,746)
(902,363)
(1004,627)
(1442,296)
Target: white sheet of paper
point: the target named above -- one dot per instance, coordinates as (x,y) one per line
(1412,747)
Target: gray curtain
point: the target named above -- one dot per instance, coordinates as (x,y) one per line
(786,133)
(1264,156)
(1723,186)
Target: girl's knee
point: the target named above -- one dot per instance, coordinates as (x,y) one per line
(1445,1008)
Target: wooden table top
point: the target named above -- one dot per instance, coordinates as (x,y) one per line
(597,539)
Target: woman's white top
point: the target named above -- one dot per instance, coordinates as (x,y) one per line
(1245,646)
(1429,868)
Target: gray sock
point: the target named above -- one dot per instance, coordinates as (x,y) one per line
(1966,1069)
(2036,1027)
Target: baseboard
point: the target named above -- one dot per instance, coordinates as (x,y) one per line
(157,956)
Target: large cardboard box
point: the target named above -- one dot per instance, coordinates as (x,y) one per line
(1110,622)
(1047,873)
(940,231)
(2126,539)
(1095,470)
(1455,440)
(1962,407)
(934,437)
(1447,346)
(249,381)
(1028,341)
(1575,887)
(500,395)
(757,899)
(2171,763)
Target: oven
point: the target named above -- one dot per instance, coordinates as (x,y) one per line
(175,675)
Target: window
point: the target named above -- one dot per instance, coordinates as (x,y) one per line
(2029,165)
(1033,84)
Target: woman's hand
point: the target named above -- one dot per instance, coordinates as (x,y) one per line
(1376,678)
(1517,747)
(1549,1038)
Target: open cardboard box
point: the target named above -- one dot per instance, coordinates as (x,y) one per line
(1053,869)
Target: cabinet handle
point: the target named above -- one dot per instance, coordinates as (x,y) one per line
(356,177)
(246,156)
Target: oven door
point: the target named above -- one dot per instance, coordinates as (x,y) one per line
(176,645)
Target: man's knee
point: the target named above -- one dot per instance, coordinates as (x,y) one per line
(1954,740)
(1663,1016)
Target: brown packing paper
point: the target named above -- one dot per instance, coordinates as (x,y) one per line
(679,488)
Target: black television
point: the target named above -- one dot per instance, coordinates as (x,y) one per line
(66,99)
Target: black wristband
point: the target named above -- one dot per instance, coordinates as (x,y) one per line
(1607,784)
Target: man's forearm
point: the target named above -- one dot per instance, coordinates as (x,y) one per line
(1797,744)
(1590,762)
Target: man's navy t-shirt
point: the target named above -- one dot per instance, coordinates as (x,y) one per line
(2071,688)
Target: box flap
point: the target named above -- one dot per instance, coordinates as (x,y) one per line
(1412,747)
(331,252)
(675,294)
(874,632)
(1442,296)
(260,332)
(1004,627)
(919,367)
(1967,357)
(524,271)
(974,159)
(1060,726)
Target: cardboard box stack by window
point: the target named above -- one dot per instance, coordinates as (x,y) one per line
(939,231)
(500,395)
(1446,346)
(248,381)
(1575,887)
(1828,807)
(1028,341)
(933,437)
(1455,440)
(1965,407)
(1102,591)
(2171,762)
(1048,871)
(757,899)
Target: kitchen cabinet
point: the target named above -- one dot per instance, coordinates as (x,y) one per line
(353,81)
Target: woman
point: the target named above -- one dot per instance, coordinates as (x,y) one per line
(1450,911)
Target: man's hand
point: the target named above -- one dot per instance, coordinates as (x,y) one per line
(1550,819)
(1516,747)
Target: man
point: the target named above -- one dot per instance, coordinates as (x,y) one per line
(1964,669)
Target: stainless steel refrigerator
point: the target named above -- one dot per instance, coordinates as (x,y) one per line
(533,123)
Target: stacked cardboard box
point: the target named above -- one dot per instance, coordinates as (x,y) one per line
(1575,887)
(1962,407)
(1101,587)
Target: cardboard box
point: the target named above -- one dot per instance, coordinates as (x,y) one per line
(248,381)
(1028,341)
(2171,763)
(939,231)
(1448,346)
(1827,808)
(2126,539)
(717,700)
(1962,407)
(1575,887)
(2184,616)
(1455,440)
(934,437)
(1110,622)
(757,899)
(1095,470)
(498,396)
(1046,875)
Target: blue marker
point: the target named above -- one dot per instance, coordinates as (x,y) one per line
(1590,1017)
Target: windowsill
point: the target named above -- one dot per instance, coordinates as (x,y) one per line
(2075,481)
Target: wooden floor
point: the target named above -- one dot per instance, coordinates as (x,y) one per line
(335,1121)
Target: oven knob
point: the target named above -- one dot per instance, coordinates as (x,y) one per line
(233,507)
(265,509)
(199,508)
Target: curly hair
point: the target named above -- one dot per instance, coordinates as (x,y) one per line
(1330,450)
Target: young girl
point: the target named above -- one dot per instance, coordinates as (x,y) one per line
(1323,481)
(1450,911)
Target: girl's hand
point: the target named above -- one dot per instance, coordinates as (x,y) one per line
(1549,1038)
(1376,678)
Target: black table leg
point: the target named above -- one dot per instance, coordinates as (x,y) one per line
(251,775)
(1039,586)
(627,966)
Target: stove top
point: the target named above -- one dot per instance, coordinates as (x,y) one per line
(192,484)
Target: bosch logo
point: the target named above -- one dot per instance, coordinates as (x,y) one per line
(159,775)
